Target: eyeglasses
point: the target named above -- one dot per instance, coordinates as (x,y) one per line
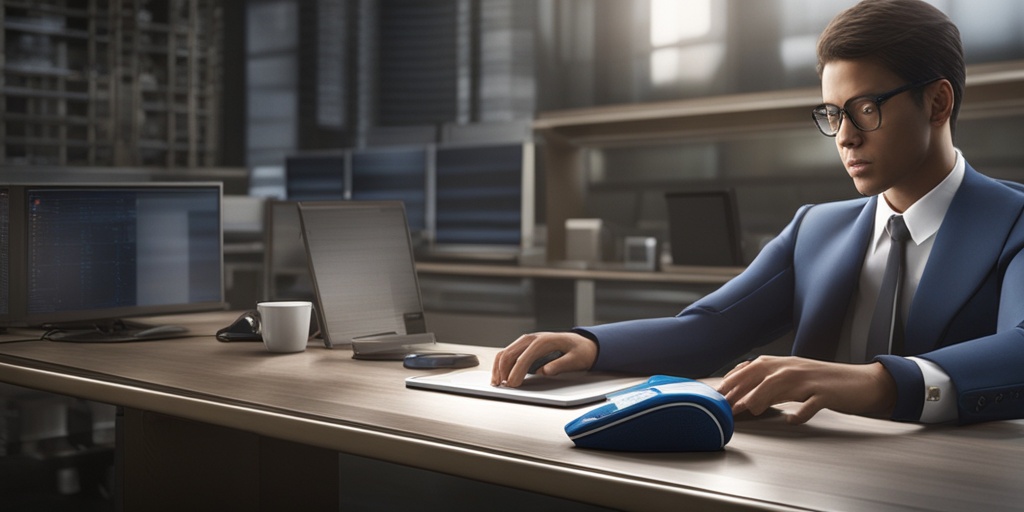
(865,112)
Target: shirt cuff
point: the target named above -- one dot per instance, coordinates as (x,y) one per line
(939,395)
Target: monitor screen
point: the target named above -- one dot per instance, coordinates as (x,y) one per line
(316,176)
(704,228)
(484,195)
(393,174)
(364,276)
(95,253)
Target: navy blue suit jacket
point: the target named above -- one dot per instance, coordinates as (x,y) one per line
(966,315)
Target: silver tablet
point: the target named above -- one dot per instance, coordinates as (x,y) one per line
(565,390)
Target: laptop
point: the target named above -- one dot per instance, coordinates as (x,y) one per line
(366,293)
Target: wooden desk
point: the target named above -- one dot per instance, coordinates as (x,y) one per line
(323,398)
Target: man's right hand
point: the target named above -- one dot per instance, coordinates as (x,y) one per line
(512,363)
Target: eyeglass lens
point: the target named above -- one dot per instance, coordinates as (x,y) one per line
(863,112)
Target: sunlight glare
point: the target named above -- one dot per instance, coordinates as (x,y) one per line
(674,21)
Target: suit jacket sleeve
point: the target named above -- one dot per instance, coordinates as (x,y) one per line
(751,310)
(987,371)
(968,312)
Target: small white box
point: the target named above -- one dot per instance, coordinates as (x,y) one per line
(584,240)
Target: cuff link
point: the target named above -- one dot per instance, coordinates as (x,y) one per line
(933,394)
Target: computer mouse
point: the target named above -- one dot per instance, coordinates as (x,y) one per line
(245,328)
(545,359)
(664,414)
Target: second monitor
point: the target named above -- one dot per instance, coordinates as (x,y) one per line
(704,228)
(485,196)
(394,174)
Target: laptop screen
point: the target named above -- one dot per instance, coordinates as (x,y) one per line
(364,275)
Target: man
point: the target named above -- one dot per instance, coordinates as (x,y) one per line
(952,347)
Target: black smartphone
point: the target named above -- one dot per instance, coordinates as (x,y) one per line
(428,360)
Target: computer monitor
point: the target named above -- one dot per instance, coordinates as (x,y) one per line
(394,174)
(316,176)
(484,196)
(704,228)
(93,255)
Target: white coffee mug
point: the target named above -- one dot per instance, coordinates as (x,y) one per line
(285,325)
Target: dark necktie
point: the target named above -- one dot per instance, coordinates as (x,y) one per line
(886,333)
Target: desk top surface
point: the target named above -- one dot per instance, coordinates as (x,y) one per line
(325,398)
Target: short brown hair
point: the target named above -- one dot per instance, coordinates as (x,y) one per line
(908,37)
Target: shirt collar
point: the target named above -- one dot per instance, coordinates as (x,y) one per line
(924,217)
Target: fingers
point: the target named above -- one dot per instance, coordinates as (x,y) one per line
(512,364)
(757,385)
(757,401)
(507,358)
(741,381)
(740,366)
(557,362)
(810,407)
(539,346)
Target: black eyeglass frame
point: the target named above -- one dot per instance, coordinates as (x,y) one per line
(877,100)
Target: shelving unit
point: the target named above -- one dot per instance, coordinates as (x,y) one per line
(110,82)
(56,86)
(992,90)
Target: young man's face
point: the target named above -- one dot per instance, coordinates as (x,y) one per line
(894,157)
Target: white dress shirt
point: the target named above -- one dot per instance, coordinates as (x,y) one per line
(923,219)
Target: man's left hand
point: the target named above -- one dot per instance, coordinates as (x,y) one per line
(756,385)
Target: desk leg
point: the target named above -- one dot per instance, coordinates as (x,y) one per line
(586,297)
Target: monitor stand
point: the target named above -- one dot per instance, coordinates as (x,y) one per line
(116,331)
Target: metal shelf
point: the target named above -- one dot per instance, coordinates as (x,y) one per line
(992,90)
(110,83)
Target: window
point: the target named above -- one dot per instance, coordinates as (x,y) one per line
(687,43)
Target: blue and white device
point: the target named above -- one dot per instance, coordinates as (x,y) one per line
(664,414)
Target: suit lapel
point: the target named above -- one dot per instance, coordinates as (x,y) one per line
(966,249)
(835,261)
